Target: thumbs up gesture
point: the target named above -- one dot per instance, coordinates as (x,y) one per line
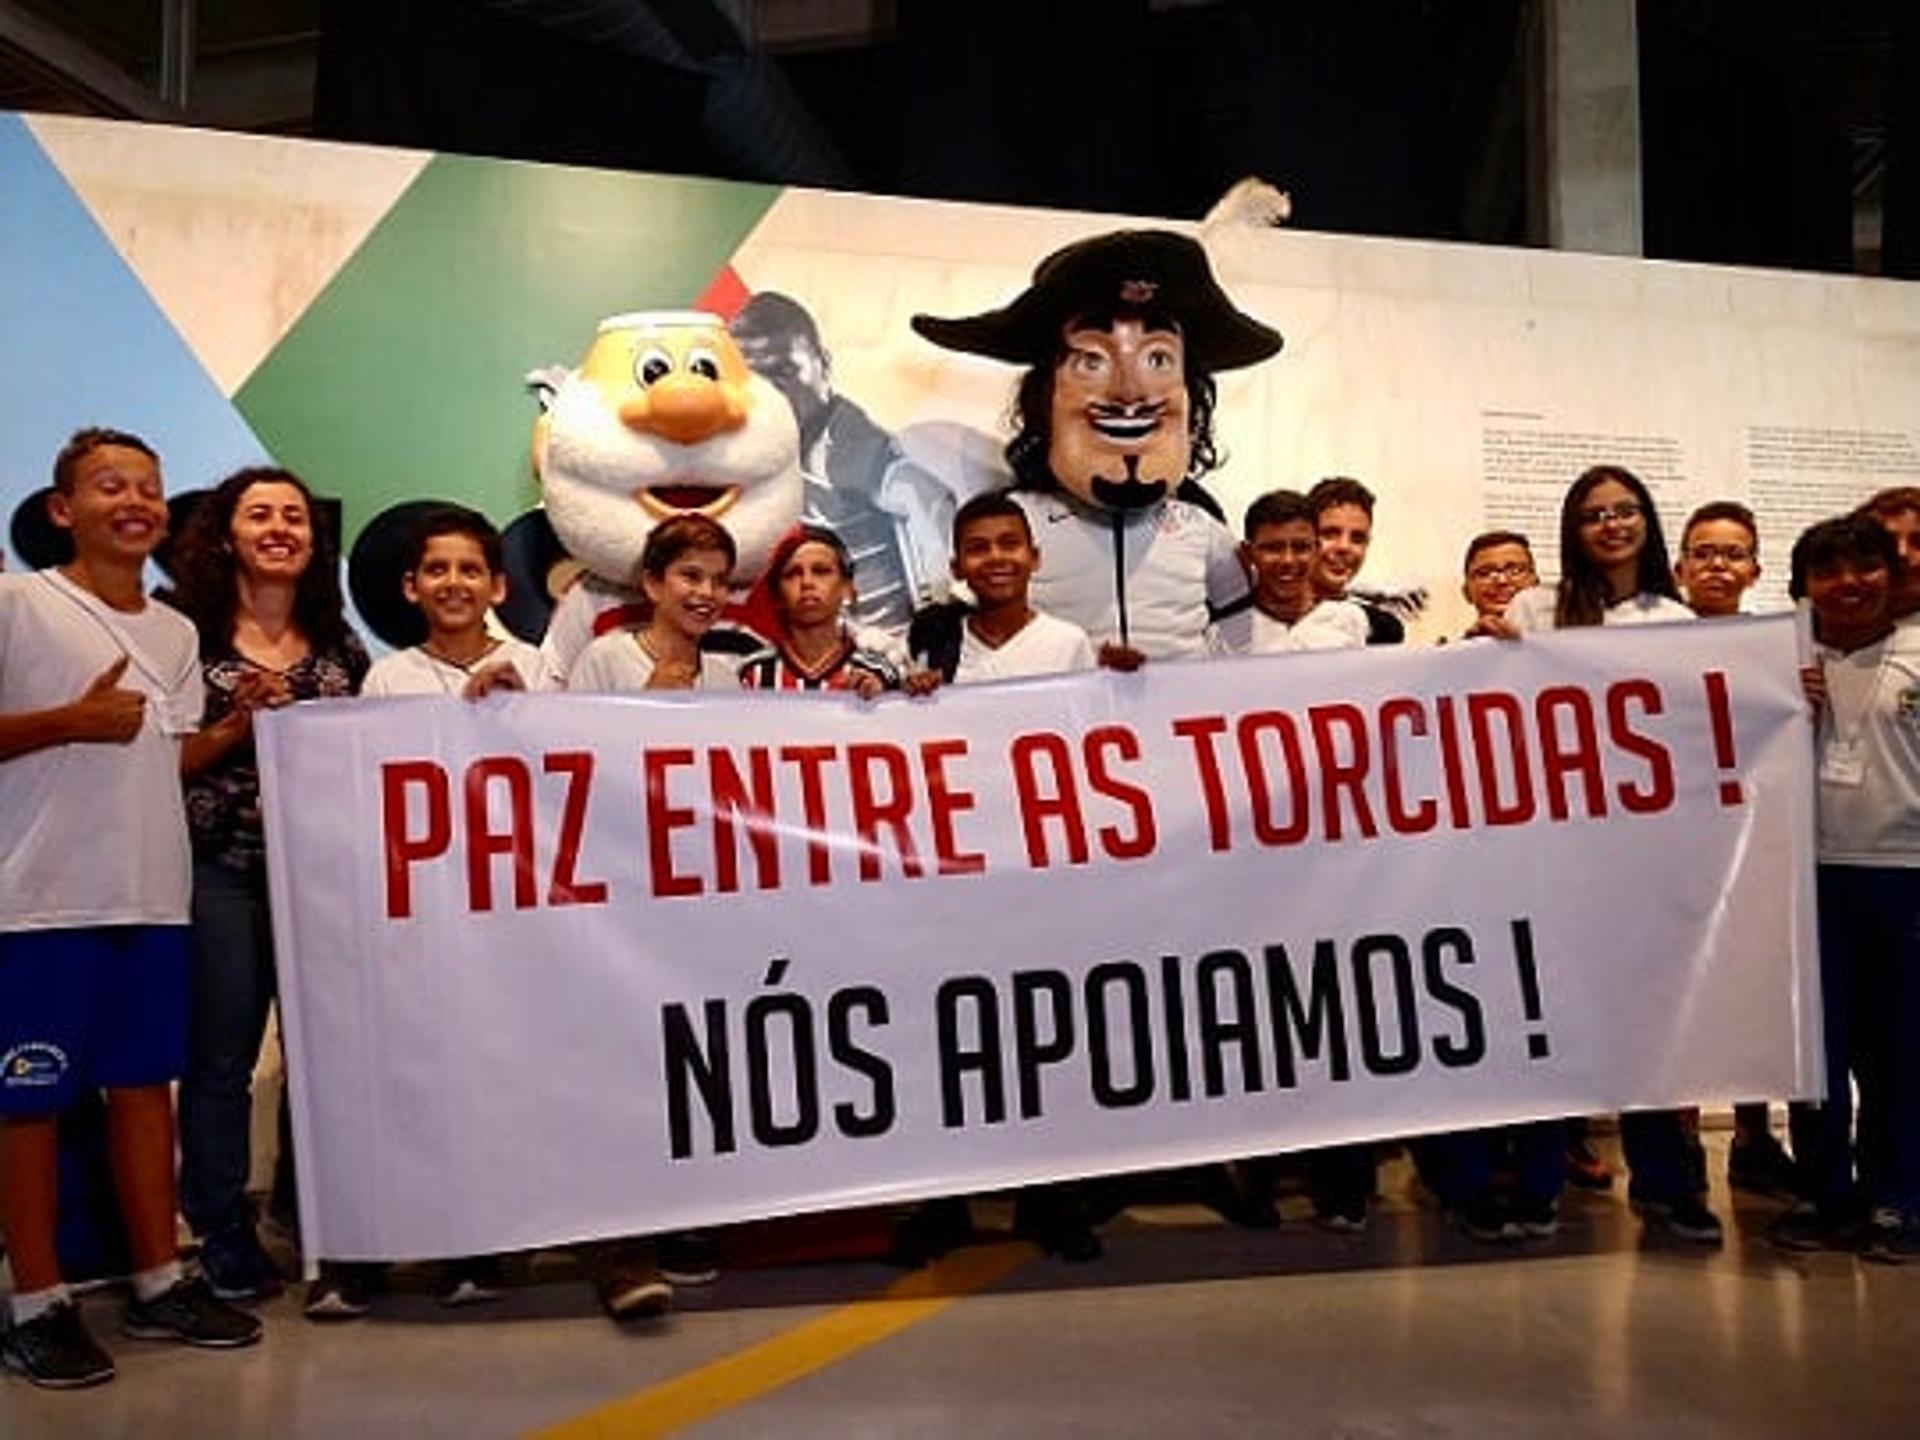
(105,712)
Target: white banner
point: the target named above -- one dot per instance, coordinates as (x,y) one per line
(555,967)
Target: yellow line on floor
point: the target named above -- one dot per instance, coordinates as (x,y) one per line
(760,1369)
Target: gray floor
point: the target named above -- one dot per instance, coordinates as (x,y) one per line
(1188,1327)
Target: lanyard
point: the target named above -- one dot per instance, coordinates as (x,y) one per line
(1847,729)
(89,606)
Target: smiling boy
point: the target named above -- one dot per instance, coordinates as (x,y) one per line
(1281,549)
(454,576)
(97,686)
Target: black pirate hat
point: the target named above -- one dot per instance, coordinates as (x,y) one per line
(43,544)
(1125,270)
(378,563)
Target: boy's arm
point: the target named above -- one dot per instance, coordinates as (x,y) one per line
(103,714)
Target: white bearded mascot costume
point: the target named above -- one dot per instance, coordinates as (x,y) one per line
(661,418)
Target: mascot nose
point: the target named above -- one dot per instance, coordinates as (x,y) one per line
(685,409)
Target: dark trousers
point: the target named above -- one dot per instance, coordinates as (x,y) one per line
(1870,998)
(233,986)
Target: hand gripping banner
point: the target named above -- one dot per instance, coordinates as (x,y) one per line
(556,967)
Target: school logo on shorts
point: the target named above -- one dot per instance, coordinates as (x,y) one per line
(1908,705)
(32,1066)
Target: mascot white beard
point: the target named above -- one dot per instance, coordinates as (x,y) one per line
(596,475)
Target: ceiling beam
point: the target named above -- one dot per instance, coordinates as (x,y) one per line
(76,69)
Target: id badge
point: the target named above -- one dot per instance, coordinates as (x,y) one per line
(1841,765)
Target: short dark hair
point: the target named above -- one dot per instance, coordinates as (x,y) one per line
(83,443)
(680,534)
(1894,500)
(454,520)
(1487,539)
(1276,507)
(990,505)
(769,315)
(808,535)
(1339,490)
(1856,537)
(1729,510)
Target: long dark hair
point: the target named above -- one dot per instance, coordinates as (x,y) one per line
(205,576)
(1583,597)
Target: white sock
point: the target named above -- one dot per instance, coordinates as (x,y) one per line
(30,1305)
(152,1284)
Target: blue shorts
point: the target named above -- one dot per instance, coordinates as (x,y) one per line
(104,1006)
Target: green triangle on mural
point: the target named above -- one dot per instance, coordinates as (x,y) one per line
(405,377)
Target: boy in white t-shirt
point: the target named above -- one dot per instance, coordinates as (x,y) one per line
(1717,563)
(1281,548)
(1001,636)
(454,575)
(97,685)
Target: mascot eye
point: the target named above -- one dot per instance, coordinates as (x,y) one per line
(704,363)
(652,365)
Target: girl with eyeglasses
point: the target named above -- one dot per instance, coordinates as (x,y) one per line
(1614,568)
(1615,571)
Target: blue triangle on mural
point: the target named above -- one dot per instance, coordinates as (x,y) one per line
(83,343)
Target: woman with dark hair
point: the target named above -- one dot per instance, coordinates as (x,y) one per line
(1615,571)
(1614,567)
(258,573)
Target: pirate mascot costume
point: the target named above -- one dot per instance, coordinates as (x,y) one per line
(1123,334)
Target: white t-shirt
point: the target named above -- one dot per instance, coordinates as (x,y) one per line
(1329,625)
(414,672)
(1179,561)
(1045,645)
(1531,611)
(94,834)
(614,664)
(571,627)
(1870,733)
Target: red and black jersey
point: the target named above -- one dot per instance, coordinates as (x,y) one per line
(774,668)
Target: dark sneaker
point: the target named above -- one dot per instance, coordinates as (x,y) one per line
(343,1292)
(236,1266)
(630,1288)
(689,1258)
(1892,1238)
(1344,1217)
(192,1313)
(1242,1194)
(1482,1220)
(55,1352)
(1536,1219)
(1055,1219)
(1805,1227)
(1585,1169)
(930,1230)
(471,1281)
(1684,1219)
(1761,1166)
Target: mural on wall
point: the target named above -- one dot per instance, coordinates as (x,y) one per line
(368,318)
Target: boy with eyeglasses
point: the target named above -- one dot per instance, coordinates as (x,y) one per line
(1498,566)
(1719,562)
